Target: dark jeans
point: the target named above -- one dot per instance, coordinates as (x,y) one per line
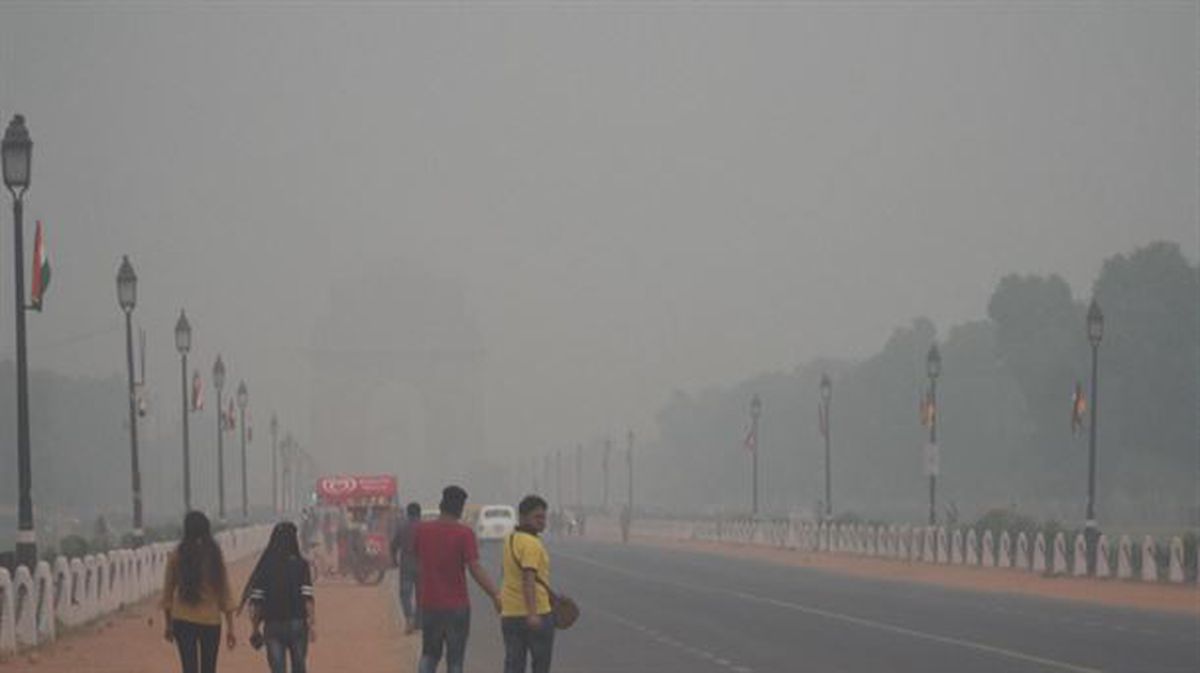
(286,640)
(520,641)
(198,645)
(408,590)
(448,629)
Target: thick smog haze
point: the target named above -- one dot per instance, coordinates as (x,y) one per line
(872,327)
(628,200)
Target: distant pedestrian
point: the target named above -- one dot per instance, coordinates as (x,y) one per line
(526,617)
(282,605)
(405,557)
(195,596)
(445,550)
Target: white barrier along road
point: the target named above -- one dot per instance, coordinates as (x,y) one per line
(71,592)
(936,545)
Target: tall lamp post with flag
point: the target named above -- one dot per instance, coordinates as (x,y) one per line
(933,368)
(243,399)
(183,344)
(1095,331)
(826,398)
(752,446)
(127,298)
(218,374)
(16,154)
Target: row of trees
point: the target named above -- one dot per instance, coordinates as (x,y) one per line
(1004,411)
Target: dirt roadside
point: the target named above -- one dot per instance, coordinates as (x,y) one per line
(355,633)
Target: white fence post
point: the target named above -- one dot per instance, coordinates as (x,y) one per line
(43,582)
(24,608)
(8,634)
(972,554)
(1102,569)
(1039,553)
(1175,569)
(989,549)
(956,547)
(1005,558)
(1079,568)
(1060,553)
(1124,558)
(1149,560)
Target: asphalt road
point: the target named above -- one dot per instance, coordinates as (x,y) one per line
(647,609)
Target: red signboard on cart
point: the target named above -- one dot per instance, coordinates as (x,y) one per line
(377,489)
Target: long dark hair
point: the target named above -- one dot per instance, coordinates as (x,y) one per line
(283,545)
(201,564)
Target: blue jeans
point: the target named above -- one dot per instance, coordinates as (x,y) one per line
(286,640)
(408,588)
(448,629)
(520,643)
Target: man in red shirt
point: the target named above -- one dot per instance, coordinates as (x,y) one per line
(445,549)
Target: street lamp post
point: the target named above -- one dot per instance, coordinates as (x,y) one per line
(183,344)
(755,413)
(579,477)
(629,466)
(243,398)
(933,368)
(1095,330)
(274,463)
(826,398)
(218,374)
(127,298)
(16,154)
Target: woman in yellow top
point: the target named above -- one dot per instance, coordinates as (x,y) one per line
(526,619)
(196,595)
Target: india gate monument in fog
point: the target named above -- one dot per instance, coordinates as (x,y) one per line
(397,375)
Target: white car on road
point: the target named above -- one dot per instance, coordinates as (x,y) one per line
(496,522)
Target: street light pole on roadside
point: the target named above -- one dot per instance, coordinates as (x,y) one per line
(127,298)
(629,465)
(274,463)
(933,368)
(579,478)
(218,374)
(606,459)
(826,398)
(755,413)
(243,398)
(1095,330)
(183,344)
(16,154)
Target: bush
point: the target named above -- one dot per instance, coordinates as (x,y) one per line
(74,546)
(1001,519)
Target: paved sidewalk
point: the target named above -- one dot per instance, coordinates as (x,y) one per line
(356,632)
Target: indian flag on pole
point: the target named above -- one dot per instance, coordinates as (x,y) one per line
(41,270)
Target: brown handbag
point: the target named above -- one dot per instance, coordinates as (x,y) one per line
(564,608)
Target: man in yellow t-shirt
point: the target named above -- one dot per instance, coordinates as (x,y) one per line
(526,620)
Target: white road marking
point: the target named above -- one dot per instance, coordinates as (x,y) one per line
(850,619)
(671,642)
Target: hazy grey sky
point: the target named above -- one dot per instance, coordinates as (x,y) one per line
(634,199)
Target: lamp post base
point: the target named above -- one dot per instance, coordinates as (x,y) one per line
(27,549)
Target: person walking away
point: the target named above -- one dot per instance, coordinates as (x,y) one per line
(196,596)
(282,603)
(445,550)
(405,557)
(526,617)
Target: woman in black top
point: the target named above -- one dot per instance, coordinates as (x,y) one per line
(281,601)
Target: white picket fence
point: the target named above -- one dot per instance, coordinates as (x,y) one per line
(932,545)
(67,593)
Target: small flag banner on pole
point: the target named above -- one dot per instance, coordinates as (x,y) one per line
(197,391)
(1078,409)
(41,270)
